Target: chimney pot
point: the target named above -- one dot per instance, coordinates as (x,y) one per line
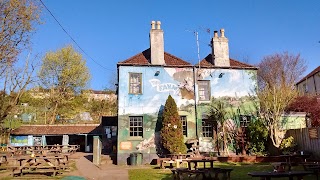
(215,34)
(220,50)
(153,26)
(222,32)
(158,25)
(156,44)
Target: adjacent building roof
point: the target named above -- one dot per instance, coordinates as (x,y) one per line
(315,71)
(206,62)
(144,57)
(58,129)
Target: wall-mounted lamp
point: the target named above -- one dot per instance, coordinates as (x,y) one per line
(157,73)
(220,75)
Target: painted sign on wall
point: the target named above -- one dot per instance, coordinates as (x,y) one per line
(125,145)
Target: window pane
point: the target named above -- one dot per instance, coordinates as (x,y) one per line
(184,125)
(136,126)
(135,83)
(244,120)
(204,90)
(207,128)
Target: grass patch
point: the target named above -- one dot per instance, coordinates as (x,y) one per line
(240,171)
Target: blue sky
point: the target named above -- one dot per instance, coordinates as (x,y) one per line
(113,31)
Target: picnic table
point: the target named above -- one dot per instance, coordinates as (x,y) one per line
(44,150)
(36,164)
(207,172)
(193,163)
(178,156)
(265,175)
(312,166)
(290,158)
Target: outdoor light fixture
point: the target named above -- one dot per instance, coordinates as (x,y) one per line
(157,73)
(220,75)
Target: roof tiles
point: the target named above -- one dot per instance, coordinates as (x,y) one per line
(58,129)
(206,62)
(144,59)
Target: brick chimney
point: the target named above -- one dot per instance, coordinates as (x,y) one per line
(156,43)
(220,49)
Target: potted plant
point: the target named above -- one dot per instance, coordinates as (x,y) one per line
(288,145)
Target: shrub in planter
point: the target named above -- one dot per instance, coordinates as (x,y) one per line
(288,145)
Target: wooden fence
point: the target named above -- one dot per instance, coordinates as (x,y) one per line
(307,139)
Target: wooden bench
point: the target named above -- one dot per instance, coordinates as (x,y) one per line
(3,159)
(216,172)
(226,173)
(185,173)
(280,166)
(33,169)
(175,172)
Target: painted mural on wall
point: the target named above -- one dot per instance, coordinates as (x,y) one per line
(235,88)
(230,82)
(177,82)
(19,140)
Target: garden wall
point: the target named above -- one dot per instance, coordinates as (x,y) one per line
(307,139)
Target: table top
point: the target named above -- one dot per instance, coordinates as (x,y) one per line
(200,160)
(180,156)
(295,155)
(279,174)
(192,170)
(38,157)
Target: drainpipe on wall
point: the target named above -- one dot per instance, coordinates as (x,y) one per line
(195,100)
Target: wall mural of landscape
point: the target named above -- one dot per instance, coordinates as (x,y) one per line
(236,89)
(233,86)
(177,82)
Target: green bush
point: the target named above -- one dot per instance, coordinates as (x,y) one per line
(171,132)
(258,136)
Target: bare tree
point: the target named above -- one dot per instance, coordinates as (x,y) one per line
(18,19)
(277,75)
(14,83)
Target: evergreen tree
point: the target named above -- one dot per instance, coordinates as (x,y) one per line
(171,131)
